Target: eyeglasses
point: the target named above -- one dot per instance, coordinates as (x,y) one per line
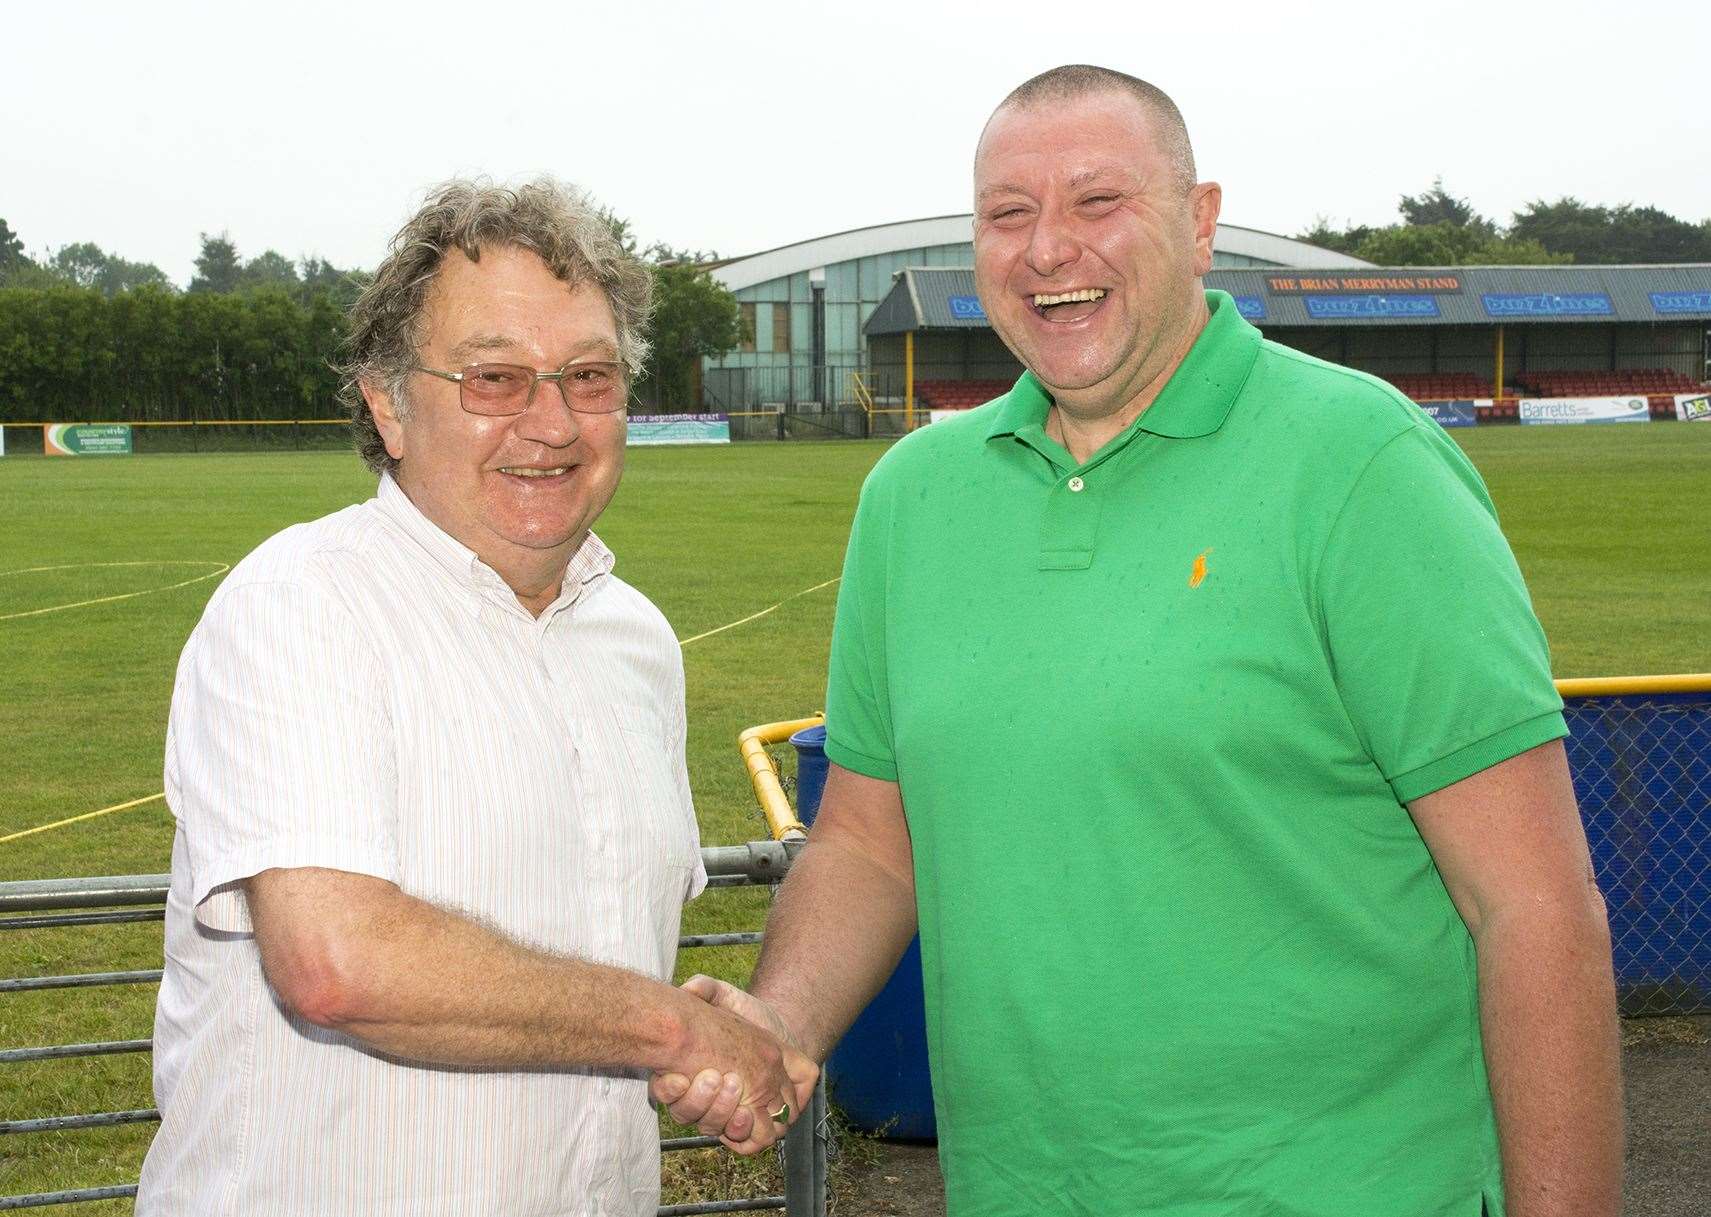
(509,388)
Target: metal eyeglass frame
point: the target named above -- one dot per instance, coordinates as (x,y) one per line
(622,397)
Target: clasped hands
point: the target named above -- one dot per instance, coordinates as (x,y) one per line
(761,1081)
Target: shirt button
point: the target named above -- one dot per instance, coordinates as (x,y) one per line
(1075,485)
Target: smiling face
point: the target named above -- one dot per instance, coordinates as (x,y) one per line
(521,491)
(1088,249)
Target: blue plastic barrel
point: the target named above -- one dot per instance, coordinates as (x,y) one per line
(878,1072)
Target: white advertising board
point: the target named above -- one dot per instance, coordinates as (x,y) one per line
(1693,407)
(1559,410)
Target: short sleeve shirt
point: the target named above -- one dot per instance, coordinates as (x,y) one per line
(363,694)
(1155,718)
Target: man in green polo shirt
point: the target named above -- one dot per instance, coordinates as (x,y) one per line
(1192,698)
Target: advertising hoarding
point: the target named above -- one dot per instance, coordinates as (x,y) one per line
(679,429)
(1559,410)
(84,439)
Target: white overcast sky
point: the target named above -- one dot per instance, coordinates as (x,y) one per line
(313,128)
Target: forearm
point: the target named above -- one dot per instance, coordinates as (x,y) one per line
(357,955)
(1552,1049)
(431,985)
(837,928)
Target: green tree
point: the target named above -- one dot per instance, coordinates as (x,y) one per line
(217,266)
(1568,225)
(1438,206)
(694,317)
(87,265)
(1646,234)
(1343,240)
(269,269)
(11,251)
(1625,233)
(1445,243)
(321,279)
(80,265)
(123,275)
(626,236)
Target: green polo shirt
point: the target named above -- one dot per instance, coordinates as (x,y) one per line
(1155,718)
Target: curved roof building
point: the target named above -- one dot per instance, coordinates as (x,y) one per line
(807,303)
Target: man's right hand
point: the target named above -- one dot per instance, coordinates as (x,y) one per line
(750,1069)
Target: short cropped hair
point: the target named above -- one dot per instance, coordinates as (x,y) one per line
(1077,80)
(555,221)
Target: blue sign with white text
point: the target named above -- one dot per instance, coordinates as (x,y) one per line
(1681,302)
(1367,308)
(1547,304)
(1251,307)
(967,308)
(1449,413)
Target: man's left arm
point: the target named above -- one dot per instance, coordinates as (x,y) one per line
(1509,845)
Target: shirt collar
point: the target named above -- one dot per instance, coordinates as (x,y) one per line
(461,564)
(1196,399)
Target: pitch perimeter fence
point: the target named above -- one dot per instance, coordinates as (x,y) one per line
(1640,753)
(58,903)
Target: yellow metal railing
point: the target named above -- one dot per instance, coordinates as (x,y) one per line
(1634,686)
(862,394)
(763,774)
(782,821)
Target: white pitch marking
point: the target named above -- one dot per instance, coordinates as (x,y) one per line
(223,567)
(754,616)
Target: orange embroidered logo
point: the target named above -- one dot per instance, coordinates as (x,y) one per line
(1197,576)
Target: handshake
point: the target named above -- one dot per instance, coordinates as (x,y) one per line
(750,1081)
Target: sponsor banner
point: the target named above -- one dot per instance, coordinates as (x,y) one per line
(1251,307)
(1450,413)
(967,308)
(1360,284)
(81,439)
(1547,304)
(1584,410)
(936,415)
(1368,308)
(1667,303)
(680,429)
(1693,407)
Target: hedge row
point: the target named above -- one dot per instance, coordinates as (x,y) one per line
(148,355)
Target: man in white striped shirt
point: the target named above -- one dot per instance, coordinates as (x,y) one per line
(427,759)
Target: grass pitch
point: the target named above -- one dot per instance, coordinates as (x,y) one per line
(1612,526)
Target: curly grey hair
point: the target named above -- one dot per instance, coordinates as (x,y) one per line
(557,222)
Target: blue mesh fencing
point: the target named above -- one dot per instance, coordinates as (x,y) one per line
(1642,771)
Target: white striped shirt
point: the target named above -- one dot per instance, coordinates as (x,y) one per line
(363,694)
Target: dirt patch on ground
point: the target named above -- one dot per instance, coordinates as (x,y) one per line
(1666,1063)
(891,1181)
(1667,1068)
